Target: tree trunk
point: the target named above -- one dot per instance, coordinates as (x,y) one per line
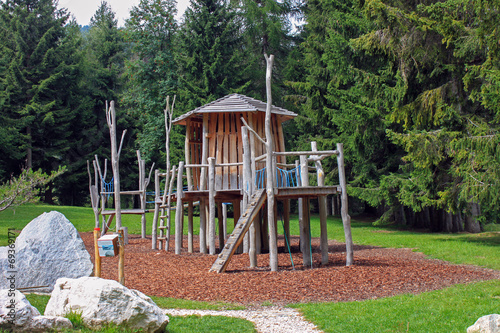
(471,222)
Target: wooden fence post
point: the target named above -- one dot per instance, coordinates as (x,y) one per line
(97,270)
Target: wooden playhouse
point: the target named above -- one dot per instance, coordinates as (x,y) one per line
(225,163)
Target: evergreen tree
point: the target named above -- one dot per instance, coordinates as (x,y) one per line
(432,49)
(39,75)
(151,72)
(209,54)
(341,88)
(266,27)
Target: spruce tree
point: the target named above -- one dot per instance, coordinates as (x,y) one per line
(150,72)
(39,75)
(209,54)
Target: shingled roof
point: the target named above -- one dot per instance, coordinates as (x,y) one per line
(233,103)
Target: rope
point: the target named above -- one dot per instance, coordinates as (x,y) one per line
(109,187)
(284,178)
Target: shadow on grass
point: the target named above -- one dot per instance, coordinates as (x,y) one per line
(486,239)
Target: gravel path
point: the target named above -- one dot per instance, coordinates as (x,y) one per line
(273,319)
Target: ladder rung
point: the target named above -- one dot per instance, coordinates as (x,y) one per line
(163,227)
(163,217)
(161,238)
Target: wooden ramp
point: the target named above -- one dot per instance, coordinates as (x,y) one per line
(253,207)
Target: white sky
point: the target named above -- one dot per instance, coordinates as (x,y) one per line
(83,10)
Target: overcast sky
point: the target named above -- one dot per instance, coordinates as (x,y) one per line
(83,10)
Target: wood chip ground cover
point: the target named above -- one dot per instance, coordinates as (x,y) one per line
(377,272)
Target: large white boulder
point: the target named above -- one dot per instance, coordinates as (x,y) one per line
(48,248)
(101,301)
(18,315)
(486,324)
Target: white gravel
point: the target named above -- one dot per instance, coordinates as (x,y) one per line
(272,319)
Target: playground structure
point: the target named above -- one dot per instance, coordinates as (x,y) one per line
(235,152)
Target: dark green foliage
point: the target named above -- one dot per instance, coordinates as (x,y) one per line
(40,73)
(150,71)
(210,56)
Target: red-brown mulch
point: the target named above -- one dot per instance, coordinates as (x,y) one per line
(377,272)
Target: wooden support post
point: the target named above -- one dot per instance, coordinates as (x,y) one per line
(169,202)
(121,257)
(299,205)
(154,230)
(346,219)
(142,196)
(115,157)
(222,220)
(97,264)
(211,205)
(190,227)
(273,246)
(305,228)
(248,189)
(322,209)
(125,235)
(179,212)
(203,227)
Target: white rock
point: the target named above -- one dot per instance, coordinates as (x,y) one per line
(15,309)
(103,301)
(48,248)
(49,323)
(486,324)
(18,315)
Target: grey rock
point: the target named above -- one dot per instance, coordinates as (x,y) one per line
(48,248)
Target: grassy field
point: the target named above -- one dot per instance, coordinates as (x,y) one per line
(448,310)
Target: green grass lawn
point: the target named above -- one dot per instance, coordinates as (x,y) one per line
(448,310)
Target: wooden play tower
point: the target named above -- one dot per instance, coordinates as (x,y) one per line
(235,152)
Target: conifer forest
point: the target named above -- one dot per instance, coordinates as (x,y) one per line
(412,89)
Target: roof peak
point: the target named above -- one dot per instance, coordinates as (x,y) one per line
(234,103)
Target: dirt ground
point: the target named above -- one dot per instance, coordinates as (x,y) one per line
(377,272)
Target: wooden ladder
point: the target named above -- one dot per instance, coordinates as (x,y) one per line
(235,239)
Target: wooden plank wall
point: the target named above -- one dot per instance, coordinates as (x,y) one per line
(195,146)
(226,145)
